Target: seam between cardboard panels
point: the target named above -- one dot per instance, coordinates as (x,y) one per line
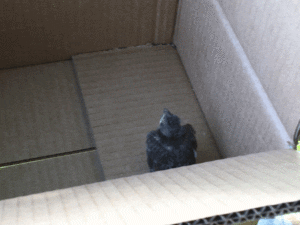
(166,19)
(148,45)
(83,106)
(158,7)
(267,104)
(198,102)
(87,122)
(179,6)
(162,21)
(177,19)
(36,159)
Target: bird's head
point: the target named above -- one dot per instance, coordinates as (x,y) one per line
(169,124)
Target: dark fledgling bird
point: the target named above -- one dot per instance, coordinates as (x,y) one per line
(171,145)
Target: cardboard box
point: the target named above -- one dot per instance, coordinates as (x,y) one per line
(258,175)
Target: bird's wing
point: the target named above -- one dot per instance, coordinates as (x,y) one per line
(161,157)
(153,142)
(190,144)
(191,135)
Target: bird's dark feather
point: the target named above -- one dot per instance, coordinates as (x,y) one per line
(171,152)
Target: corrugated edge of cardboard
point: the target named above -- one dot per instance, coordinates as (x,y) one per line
(266,181)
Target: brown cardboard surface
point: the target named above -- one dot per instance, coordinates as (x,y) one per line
(34,32)
(50,174)
(41,113)
(275,64)
(125,92)
(238,110)
(166,197)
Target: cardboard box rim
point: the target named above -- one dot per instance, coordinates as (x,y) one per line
(164,198)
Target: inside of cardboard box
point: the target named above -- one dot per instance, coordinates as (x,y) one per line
(85,120)
(118,96)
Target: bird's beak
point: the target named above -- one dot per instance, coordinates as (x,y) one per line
(162,118)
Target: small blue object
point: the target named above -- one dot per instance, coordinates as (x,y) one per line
(278,220)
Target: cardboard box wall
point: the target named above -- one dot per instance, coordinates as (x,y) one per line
(269,35)
(239,59)
(40,32)
(225,82)
(87,211)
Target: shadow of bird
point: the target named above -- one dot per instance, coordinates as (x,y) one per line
(171,145)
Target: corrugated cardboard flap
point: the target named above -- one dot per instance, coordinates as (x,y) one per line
(166,197)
